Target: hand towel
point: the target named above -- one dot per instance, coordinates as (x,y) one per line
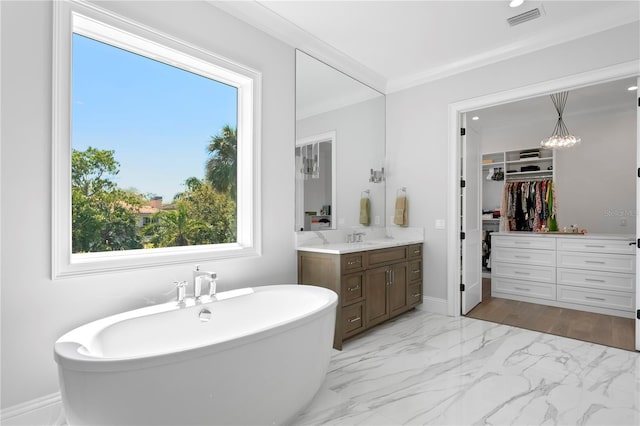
(400,217)
(364,211)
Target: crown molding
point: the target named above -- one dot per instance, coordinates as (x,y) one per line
(543,40)
(266,20)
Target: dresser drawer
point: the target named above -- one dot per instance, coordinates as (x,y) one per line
(352,288)
(352,262)
(527,257)
(601,298)
(353,319)
(414,294)
(515,271)
(597,262)
(415,251)
(415,270)
(523,288)
(596,279)
(526,242)
(582,244)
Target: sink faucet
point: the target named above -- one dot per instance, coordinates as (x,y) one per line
(200,276)
(355,237)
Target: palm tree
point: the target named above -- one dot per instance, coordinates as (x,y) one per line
(222,167)
(175,228)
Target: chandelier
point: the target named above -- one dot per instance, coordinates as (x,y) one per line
(560,138)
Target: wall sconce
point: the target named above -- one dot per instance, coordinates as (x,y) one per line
(377,176)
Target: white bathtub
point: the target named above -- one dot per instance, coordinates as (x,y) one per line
(260,359)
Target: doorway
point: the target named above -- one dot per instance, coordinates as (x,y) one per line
(600,77)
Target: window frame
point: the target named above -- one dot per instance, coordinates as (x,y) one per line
(73,16)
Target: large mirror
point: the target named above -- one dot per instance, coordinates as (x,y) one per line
(340,140)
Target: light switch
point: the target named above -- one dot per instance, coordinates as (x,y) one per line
(440,224)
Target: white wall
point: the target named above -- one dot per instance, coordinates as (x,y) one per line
(595,181)
(417,127)
(360,131)
(35,310)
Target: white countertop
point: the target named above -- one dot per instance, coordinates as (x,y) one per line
(342,248)
(565,234)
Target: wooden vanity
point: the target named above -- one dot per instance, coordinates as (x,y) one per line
(373,285)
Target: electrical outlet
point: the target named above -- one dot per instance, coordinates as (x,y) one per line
(376,220)
(440,224)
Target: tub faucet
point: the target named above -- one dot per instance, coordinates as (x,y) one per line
(181,291)
(198,277)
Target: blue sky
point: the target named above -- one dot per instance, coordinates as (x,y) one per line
(157,118)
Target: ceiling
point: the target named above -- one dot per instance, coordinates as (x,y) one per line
(609,96)
(392,45)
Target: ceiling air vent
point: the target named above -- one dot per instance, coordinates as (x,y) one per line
(524,17)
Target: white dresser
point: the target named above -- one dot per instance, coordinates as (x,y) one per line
(593,272)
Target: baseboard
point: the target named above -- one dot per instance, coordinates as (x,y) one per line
(46,410)
(434,305)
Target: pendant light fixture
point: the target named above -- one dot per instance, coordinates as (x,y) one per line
(560,138)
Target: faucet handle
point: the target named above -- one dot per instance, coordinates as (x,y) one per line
(181,290)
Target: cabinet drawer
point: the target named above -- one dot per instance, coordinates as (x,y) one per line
(596,246)
(597,262)
(597,279)
(414,295)
(352,288)
(415,270)
(515,271)
(384,256)
(352,319)
(523,288)
(352,262)
(526,242)
(527,257)
(415,251)
(592,297)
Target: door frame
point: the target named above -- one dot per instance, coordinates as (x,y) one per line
(455,111)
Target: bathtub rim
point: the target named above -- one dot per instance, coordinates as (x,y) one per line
(68,356)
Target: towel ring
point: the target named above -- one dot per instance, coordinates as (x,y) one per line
(401,190)
(365,193)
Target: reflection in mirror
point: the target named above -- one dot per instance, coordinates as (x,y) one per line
(340,137)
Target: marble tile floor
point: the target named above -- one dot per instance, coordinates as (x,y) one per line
(429,369)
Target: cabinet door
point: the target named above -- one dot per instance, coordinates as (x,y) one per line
(377,308)
(398,289)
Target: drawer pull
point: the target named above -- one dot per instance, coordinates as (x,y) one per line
(521,273)
(416,252)
(522,257)
(353,288)
(522,289)
(594,246)
(354,319)
(597,262)
(593,280)
(602,299)
(353,262)
(415,271)
(416,295)
(522,242)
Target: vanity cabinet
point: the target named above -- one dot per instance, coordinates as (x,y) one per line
(372,286)
(591,273)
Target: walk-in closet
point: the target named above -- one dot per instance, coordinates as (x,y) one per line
(559,225)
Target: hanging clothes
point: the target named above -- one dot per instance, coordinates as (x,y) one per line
(528,205)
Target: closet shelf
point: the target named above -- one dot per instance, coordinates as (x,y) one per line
(531,160)
(536,173)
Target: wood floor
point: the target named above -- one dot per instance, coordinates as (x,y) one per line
(596,328)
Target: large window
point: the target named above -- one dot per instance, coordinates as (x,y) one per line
(155,147)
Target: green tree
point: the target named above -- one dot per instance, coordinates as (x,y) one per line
(103,216)
(222,166)
(202,216)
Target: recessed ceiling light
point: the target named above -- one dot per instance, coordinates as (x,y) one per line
(632,88)
(475,118)
(515,3)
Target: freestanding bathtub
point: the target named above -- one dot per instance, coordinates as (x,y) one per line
(258,357)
